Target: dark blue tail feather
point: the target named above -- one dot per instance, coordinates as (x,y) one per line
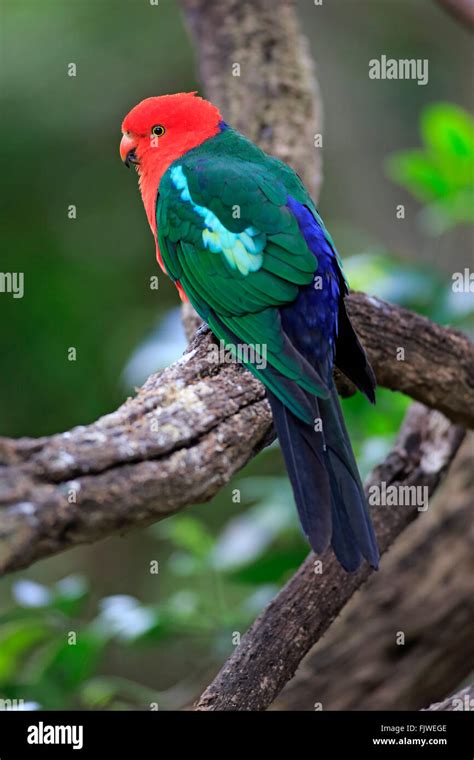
(328,492)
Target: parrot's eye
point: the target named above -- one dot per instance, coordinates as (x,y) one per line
(158,130)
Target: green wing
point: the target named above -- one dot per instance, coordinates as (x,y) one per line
(226,234)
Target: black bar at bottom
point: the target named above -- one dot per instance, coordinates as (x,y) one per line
(153,734)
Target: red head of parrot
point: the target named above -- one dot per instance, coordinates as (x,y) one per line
(158,131)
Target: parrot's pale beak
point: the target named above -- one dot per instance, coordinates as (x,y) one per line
(127,151)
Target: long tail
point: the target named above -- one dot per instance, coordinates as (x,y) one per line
(326,483)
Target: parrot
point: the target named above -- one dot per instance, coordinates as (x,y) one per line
(239,235)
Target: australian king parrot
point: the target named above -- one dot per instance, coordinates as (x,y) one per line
(240,236)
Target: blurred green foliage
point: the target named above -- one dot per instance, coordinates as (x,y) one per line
(441,174)
(86,278)
(48,655)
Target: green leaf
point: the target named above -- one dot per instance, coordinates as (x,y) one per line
(448,130)
(442,174)
(16,641)
(68,665)
(419,173)
(190,534)
(271,567)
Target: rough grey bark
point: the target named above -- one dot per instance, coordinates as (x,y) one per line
(295,620)
(273,97)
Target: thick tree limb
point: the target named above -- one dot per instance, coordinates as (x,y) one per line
(256,68)
(438,364)
(271,650)
(434,560)
(187,432)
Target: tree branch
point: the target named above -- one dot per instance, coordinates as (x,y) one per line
(187,432)
(271,650)
(437,364)
(256,67)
